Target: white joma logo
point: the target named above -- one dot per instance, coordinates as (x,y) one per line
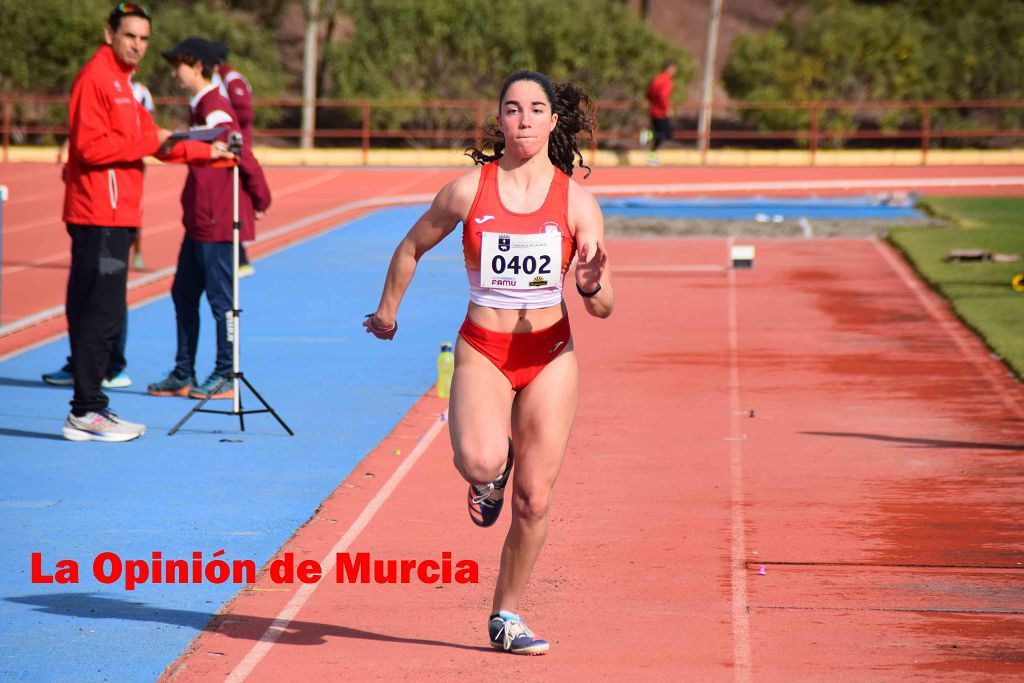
(483,219)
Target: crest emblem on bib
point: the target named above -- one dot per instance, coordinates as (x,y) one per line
(504,243)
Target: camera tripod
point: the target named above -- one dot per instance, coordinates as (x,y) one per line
(236,377)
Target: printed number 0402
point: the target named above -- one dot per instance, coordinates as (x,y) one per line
(529,265)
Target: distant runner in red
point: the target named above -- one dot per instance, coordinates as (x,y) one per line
(524,219)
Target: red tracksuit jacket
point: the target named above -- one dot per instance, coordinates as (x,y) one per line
(659,92)
(206,199)
(109,134)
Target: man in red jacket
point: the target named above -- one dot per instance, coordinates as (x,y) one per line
(659,96)
(109,134)
(206,258)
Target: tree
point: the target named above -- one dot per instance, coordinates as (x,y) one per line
(463,49)
(46,42)
(871,51)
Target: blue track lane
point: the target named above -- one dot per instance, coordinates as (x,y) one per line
(759,208)
(209,487)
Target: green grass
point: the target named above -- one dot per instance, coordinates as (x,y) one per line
(980,292)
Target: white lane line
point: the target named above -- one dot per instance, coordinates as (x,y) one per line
(302,595)
(383,201)
(738,546)
(956,331)
(65,253)
(687,188)
(55,311)
(308,183)
(680,188)
(392,200)
(55,219)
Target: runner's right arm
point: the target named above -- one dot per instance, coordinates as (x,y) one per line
(450,206)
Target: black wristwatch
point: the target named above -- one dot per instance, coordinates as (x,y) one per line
(588,295)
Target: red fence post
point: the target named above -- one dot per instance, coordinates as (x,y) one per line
(7,125)
(478,136)
(814,129)
(705,135)
(926,132)
(366,132)
(815,114)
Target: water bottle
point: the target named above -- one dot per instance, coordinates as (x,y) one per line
(445,370)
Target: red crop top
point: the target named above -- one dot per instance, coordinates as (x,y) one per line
(488,214)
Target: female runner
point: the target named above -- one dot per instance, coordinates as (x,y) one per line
(523,220)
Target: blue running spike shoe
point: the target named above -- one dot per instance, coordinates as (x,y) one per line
(483,509)
(508,632)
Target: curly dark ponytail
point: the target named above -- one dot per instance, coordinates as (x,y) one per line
(576,123)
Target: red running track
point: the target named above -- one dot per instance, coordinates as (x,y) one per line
(307,200)
(36,249)
(824,418)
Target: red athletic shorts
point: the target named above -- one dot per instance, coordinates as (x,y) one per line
(520,357)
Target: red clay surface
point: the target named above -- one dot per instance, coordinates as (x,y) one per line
(821,416)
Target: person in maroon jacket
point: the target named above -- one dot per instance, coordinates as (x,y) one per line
(109,134)
(659,96)
(234,86)
(205,260)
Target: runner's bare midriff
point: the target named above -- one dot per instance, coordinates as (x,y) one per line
(516,321)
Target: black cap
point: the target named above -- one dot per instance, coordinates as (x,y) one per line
(194,46)
(220,51)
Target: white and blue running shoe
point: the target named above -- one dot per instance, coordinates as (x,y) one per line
(508,632)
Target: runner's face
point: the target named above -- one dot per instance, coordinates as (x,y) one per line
(526,119)
(130,41)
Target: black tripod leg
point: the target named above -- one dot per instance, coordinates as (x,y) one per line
(190,414)
(195,410)
(266,405)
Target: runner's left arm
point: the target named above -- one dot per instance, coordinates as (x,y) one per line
(593,275)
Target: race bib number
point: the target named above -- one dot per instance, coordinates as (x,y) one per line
(520,261)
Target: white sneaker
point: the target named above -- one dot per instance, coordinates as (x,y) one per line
(101,425)
(120,382)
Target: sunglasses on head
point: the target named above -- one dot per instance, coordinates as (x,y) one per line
(130,9)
